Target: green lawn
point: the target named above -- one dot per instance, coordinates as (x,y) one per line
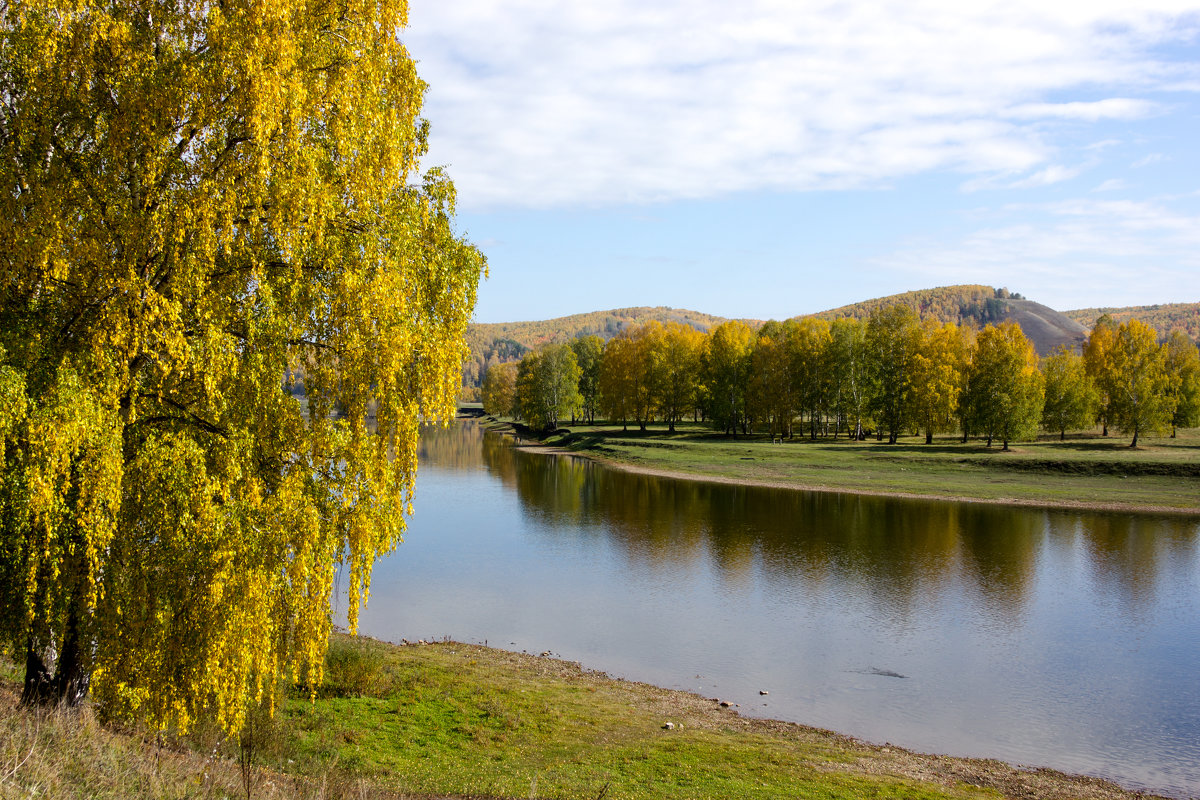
(1090,469)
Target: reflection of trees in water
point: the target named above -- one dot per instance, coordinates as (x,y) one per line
(455,447)
(999,548)
(499,457)
(897,552)
(1128,555)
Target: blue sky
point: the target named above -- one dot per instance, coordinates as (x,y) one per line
(771,158)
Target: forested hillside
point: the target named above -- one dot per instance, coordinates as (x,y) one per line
(1164,317)
(969,305)
(974,306)
(502,342)
(946,304)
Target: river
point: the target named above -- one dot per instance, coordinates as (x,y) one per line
(1041,637)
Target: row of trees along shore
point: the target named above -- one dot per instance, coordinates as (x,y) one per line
(886,375)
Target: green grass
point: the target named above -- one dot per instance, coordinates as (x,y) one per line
(466,720)
(1162,472)
(459,720)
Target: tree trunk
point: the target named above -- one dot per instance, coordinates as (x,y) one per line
(73,677)
(1062,436)
(53,678)
(1005,448)
(929,436)
(39,683)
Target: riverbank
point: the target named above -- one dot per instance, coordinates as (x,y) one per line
(1087,472)
(456,720)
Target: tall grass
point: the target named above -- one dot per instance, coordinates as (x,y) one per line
(68,754)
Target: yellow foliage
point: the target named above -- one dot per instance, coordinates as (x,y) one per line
(217,263)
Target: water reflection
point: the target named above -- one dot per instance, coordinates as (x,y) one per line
(1038,636)
(904,550)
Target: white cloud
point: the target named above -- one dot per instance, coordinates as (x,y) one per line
(1112,108)
(1055,173)
(1153,158)
(1070,254)
(548,102)
(1110,185)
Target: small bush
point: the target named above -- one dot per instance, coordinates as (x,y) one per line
(354,667)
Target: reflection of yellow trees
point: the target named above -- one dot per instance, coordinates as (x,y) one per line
(455,447)
(999,549)
(897,552)
(1129,555)
(559,483)
(499,457)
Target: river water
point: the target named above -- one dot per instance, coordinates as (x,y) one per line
(1040,637)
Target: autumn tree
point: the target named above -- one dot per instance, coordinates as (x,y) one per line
(618,378)
(631,374)
(1006,384)
(726,372)
(1137,382)
(1183,375)
(677,366)
(1072,400)
(939,358)
(772,378)
(205,203)
(845,359)
(890,349)
(648,372)
(589,350)
(548,386)
(1097,359)
(809,344)
(499,390)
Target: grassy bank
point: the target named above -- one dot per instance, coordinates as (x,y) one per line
(459,720)
(1085,470)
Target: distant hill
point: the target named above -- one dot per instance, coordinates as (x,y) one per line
(975,306)
(499,342)
(972,305)
(1164,318)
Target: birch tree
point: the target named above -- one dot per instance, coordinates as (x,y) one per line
(1138,382)
(1072,400)
(1006,384)
(207,205)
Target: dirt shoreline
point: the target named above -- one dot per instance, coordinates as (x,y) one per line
(1124,508)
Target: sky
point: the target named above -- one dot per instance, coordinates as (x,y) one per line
(770,158)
